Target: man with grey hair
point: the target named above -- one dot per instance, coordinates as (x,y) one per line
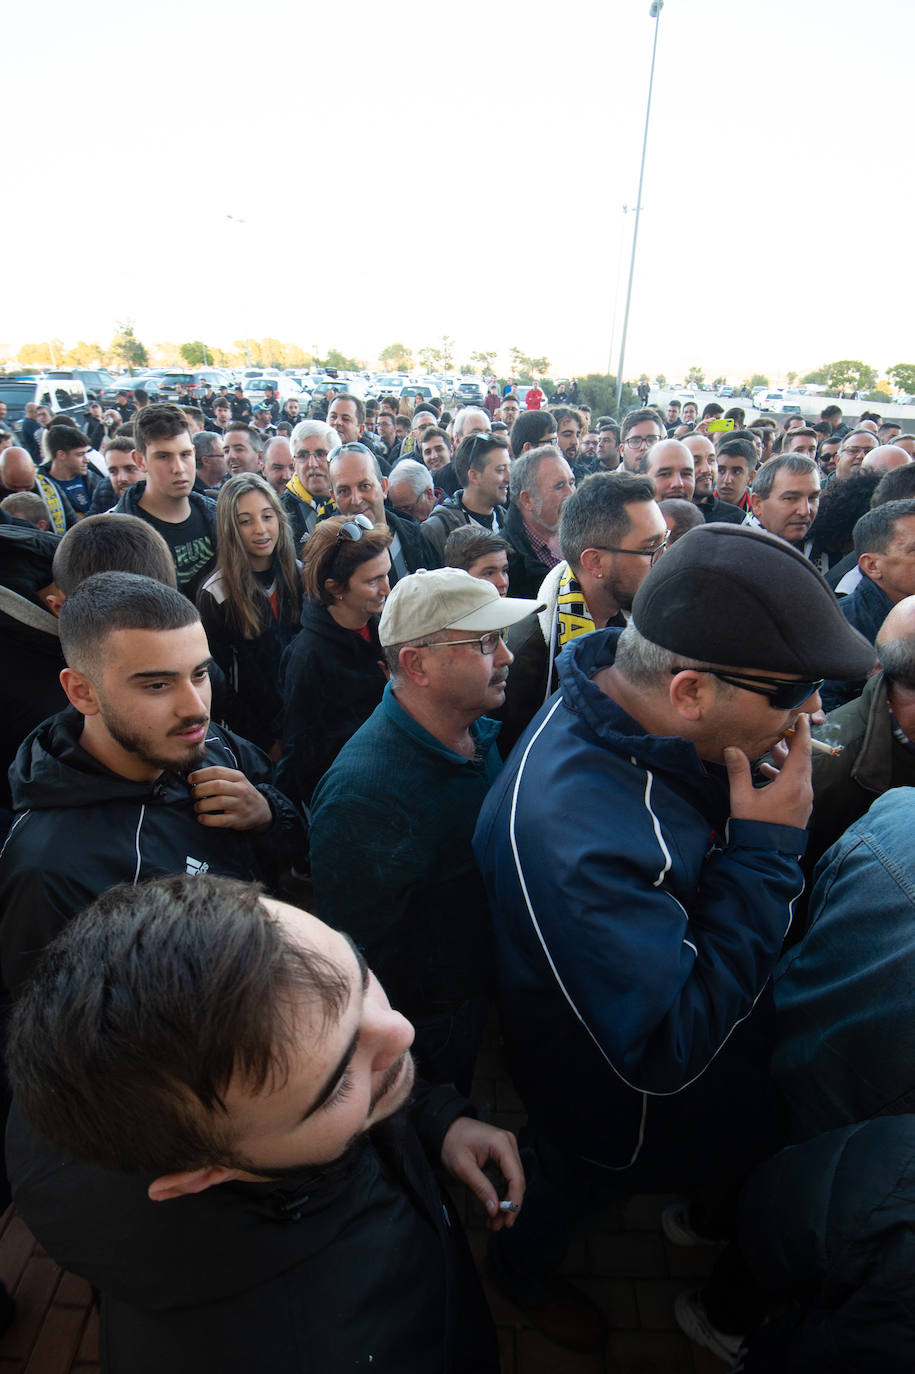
(642,886)
(785,497)
(307,498)
(404,792)
(279,468)
(210,457)
(541,481)
(411,490)
(854,448)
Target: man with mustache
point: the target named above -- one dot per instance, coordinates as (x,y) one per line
(131,780)
(403,794)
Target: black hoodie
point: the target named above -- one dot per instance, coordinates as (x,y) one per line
(83,828)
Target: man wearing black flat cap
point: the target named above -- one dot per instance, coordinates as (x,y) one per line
(641,885)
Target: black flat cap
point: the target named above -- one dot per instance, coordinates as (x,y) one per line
(737,596)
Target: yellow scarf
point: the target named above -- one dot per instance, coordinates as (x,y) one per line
(321,508)
(53,502)
(572,615)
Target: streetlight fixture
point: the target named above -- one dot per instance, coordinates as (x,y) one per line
(655,13)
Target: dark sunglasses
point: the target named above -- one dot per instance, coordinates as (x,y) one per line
(783,696)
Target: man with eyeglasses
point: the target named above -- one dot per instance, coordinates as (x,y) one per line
(642,886)
(641,430)
(307,498)
(853,450)
(411,490)
(404,793)
(611,531)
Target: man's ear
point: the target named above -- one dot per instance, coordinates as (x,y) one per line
(589,562)
(755,503)
(384,486)
(689,693)
(80,691)
(869,563)
(169,1186)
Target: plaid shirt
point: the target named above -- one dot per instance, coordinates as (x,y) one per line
(541,549)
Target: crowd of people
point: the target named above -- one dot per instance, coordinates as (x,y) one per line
(607,726)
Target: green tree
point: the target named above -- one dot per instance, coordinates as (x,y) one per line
(341,362)
(817,378)
(127,347)
(598,390)
(695,376)
(431,358)
(196,353)
(520,362)
(296,356)
(850,374)
(539,366)
(792,378)
(719,382)
(484,359)
(661,382)
(758,379)
(396,358)
(903,374)
(447,351)
(273,353)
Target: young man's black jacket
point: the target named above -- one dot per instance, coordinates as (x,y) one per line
(359,1265)
(525,570)
(82,828)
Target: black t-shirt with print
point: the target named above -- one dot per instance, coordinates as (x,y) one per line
(192,546)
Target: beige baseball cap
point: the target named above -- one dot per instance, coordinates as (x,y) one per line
(447,599)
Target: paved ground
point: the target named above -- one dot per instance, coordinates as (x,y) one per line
(625,1264)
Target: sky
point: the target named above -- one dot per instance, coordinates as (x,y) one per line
(418,169)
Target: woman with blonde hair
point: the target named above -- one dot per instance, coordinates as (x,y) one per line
(250,605)
(332,673)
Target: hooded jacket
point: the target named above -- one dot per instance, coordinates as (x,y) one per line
(129,504)
(637,928)
(331,681)
(359,1265)
(29,638)
(82,828)
(452,514)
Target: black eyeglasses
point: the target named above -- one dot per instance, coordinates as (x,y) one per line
(354,529)
(488,644)
(642,440)
(783,696)
(654,554)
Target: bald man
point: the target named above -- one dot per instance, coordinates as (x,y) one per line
(885,457)
(670,464)
(18,473)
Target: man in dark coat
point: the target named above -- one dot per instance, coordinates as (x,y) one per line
(217,1144)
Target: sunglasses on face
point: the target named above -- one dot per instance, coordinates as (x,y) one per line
(783,696)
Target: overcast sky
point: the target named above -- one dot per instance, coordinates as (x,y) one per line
(419,168)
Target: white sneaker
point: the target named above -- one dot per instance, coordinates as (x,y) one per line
(693,1321)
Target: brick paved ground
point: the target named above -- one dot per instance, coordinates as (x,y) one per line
(626,1265)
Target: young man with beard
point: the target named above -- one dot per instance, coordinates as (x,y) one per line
(131,780)
(217,1144)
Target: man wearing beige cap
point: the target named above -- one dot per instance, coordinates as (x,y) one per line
(392,819)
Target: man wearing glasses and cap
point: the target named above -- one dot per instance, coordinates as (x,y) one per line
(404,793)
(642,885)
(359,488)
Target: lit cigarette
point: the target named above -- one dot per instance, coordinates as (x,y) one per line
(507,1206)
(819,747)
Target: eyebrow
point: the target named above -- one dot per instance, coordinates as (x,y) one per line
(167,672)
(343,1064)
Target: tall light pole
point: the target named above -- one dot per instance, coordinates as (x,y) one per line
(236,219)
(655,13)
